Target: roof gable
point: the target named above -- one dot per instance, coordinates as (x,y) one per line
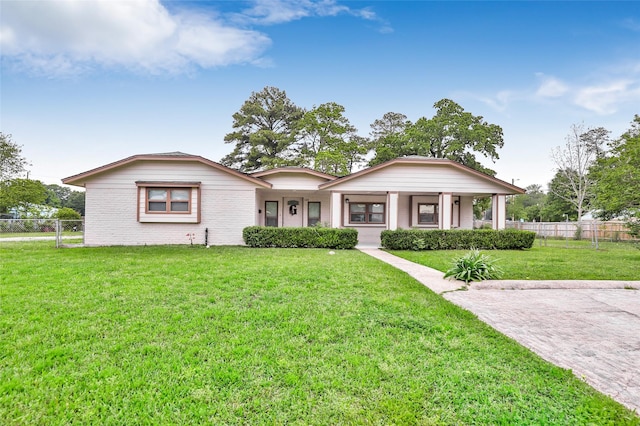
(428,162)
(81,178)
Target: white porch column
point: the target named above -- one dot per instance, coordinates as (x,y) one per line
(392,205)
(498,211)
(336,210)
(444,218)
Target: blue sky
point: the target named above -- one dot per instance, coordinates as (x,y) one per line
(85,83)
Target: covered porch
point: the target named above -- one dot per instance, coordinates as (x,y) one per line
(372,212)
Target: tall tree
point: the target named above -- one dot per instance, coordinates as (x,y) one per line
(388,137)
(12,163)
(329,142)
(265,132)
(617,177)
(558,205)
(573,160)
(451,133)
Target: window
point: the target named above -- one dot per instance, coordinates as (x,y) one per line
(314,213)
(427,214)
(271,213)
(366,213)
(168,200)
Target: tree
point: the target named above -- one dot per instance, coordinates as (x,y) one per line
(527,206)
(12,163)
(388,137)
(265,130)
(573,161)
(329,142)
(557,206)
(20,193)
(451,133)
(57,195)
(76,201)
(617,177)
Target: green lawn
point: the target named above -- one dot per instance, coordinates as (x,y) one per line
(188,335)
(550,260)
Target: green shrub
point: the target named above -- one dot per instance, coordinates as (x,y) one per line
(474,266)
(457,239)
(67,213)
(312,237)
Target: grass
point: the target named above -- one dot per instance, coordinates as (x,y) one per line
(188,335)
(550,261)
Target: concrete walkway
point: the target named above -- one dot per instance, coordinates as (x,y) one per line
(590,327)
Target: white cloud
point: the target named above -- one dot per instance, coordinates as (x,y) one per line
(551,87)
(604,92)
(269,12)
(69,36)
(606,97)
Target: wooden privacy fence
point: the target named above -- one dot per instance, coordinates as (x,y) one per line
(613,230)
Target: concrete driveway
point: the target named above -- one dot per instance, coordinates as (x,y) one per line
(594,332)
(590,327)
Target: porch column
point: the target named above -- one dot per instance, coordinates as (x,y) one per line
(392,205)
(444,199)
(498,211)
(336,210)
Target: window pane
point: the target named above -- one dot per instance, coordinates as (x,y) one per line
(157,206)
(377,208)
(179,206)
(357,217)
(314,213)
(314,210)
(271,213)
(180,194)
(376,218)
(157,195)
(357,208)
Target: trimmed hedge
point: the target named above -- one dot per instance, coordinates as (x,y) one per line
(312,237)
(457,239)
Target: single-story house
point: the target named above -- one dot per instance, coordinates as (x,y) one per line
(174,197)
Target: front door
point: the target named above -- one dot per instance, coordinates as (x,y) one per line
(292,212)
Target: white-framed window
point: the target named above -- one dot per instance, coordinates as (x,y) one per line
(366,213)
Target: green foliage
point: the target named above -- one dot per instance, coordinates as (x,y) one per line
(451,133)
(558,203)
(20,193)
(617,176)
(66,213)
(553,260)
(60,196)
(437,239)
(312,237)
(12,163)
(329,142)
(265,130)
(474,266)
(573,182)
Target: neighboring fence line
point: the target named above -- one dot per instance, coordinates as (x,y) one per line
(57,229)
(613,230)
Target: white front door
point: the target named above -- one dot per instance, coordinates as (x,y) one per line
(292,212)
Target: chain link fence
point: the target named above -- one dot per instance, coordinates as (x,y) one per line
(56,230)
